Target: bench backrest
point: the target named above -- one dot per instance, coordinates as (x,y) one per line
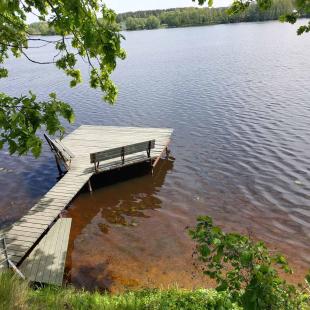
(122,151)
(58,147)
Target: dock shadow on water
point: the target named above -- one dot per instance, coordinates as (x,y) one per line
(117,239)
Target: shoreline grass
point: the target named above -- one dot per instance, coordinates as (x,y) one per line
(16,294)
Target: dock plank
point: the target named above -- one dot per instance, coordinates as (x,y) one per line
(46,262)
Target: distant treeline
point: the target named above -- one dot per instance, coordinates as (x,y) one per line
(41,28)
(200,16)
(185,17)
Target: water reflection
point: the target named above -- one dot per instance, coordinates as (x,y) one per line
(120,195)
(121,198)
(23,181)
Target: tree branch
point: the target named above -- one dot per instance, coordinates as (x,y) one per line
(37,62)
(43,40)
(17,46)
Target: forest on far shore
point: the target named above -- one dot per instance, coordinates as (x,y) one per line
(185,17)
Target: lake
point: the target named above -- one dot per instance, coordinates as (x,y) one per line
(238,98)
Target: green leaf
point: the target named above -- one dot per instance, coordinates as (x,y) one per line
(308,277)
(204,250)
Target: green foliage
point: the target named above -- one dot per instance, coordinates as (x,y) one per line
(206,16)
(20,119)
(41,28)
(135,23)
(152,22)
(94,36)
(16,294)
(173,299)
(301,8)
(245,269)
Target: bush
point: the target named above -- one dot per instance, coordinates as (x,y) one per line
(246,270)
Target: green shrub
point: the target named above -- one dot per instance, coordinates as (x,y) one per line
(246,269)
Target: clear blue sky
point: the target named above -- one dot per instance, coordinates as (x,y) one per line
(137,5)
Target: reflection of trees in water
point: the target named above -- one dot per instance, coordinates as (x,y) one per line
(133,198)
(130,200)
(133,191)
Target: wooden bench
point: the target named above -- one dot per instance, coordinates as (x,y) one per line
(5,262)
(46,263)
(96,158)
(61,152)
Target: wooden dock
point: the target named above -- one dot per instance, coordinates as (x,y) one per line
(46,263)
(73,152)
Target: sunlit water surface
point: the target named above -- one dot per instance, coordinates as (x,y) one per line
(238,98)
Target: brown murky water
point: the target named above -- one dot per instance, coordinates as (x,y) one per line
(238,99)
(127,239)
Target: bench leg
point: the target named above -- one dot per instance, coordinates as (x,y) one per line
(167,153)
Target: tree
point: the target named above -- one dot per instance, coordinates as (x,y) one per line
(131,23)
(135,23)
(96,40)
(302,7)
(41,28)
(205,16)
(152,22)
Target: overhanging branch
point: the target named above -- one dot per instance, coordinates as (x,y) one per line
(38,62)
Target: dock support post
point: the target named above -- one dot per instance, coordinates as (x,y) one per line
(89,186)
(167,152)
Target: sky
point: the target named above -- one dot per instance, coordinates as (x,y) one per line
(121,6)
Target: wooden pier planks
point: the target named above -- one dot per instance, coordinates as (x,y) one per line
(91,139)
(98,138)
(25,233)
(46,262)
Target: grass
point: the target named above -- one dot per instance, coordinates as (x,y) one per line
(16,294)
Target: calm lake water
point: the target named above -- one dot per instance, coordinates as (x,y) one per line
(238,98)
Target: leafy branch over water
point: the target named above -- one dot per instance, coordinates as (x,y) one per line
(21,117)
(246,270)
(97,42)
